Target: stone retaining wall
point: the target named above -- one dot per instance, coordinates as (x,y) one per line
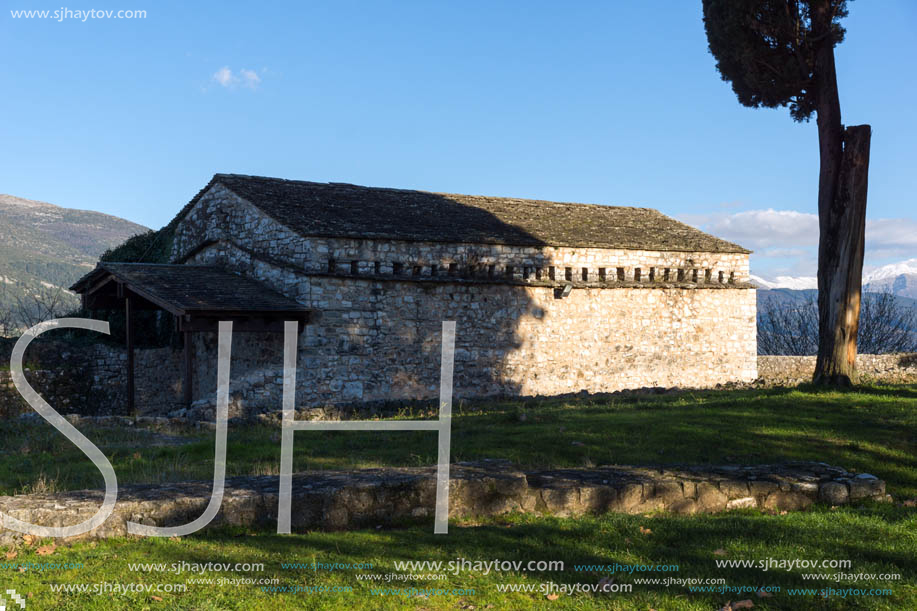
(92,379)
(334,500)
(792,370)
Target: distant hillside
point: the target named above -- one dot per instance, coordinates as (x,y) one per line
(903,285)
(44,247)
(795,297)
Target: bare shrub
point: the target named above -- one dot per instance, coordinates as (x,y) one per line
(38,305)
(887,326)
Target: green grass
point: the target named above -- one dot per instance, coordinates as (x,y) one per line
(877,539)
(872,429)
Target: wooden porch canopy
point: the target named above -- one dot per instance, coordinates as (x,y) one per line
(198,297)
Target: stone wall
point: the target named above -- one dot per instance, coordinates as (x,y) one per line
(335,500)
(378,341)
(62,390)
(791,370)
(92,379)
(158,379)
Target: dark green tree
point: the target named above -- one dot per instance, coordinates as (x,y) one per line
(781,53)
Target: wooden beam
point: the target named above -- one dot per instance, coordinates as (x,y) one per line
(129,340)
(227,314)
(240,324)
(186,379)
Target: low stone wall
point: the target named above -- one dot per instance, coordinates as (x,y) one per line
(64,391)
(158,379)
(334,500)
(792,370)
(92,379)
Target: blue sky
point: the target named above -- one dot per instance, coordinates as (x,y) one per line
(605,102)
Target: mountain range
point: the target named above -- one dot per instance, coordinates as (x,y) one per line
(898,278)
(45,248)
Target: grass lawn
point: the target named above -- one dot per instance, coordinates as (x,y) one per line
(870,430)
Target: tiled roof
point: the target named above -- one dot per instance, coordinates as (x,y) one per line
(344,210)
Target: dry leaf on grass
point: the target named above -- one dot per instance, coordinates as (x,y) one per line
(605,581)
(156,598)
(645,531)
(762,593)
(46,550)
(739,604)
(11,554)
(28,539)
(719,552)
(552,596)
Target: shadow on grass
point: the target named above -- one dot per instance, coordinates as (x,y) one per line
(872,432)
(877,539)
(869,429)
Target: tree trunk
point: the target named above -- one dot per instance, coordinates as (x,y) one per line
(842,181)
(840,263)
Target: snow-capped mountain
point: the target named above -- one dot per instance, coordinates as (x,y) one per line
(799,283)
(892,270)
(899,278)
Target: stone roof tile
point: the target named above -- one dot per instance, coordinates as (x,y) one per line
(352,211)
(192,288)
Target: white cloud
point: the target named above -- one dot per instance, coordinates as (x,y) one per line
(767,229)
(225,77)
(892,237)
(249,78)
(783,252)
(786,241)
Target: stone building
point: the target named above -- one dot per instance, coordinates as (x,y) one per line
(548,297)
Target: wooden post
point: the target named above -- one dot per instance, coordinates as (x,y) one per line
(186,379)
(129,340)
